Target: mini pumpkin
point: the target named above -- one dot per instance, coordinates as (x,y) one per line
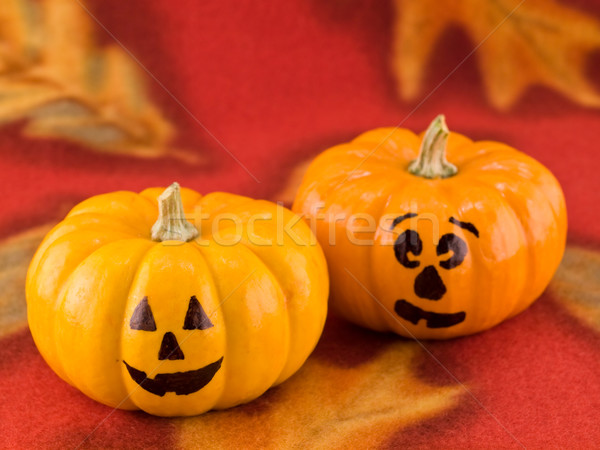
(430,249)
(172,318)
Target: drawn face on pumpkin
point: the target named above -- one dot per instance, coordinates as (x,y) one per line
(181,383)
(428,284)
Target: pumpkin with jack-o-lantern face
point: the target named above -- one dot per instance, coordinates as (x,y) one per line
(430,249)
(172,318)
(432,253)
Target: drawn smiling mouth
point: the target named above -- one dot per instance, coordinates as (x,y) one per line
(413,314)
(182,383)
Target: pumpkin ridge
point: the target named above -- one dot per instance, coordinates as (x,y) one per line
(525,241)
(372,255)
(353,162)
(457,144)
(70,234)
(449,193)
(243,205)
(502,156)
(222,297)
(127,401)
(108,219)
(285,297)
(121,330)
(144,281)
(224,325)
(36,266)
(222,209)
(283,302)
(51,237)
(112,220)
(393,135)
(127,202)
(280,304)
(555,220)
(444,189)
(98,228)
(295,297)
(62,298)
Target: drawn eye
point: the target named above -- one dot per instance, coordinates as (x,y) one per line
(196,318)
(142,318)
(451,242)
(408,242)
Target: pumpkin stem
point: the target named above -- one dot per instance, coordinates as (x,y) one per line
(431,162)
(171,224)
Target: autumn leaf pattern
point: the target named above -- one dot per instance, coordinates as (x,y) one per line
(518,44)
(55,77)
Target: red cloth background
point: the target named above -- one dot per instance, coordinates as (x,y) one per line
(277,83)
(282,82)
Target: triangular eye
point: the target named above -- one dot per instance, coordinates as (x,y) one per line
(196,318)
(142,318)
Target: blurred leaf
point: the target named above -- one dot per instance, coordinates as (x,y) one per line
(577,284)
(523,43)
(330,406)
(15,254)
(53,75)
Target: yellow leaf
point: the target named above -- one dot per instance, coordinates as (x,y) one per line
(328,406)
(68,41)
(15,254)
(55,76)
(577,284)
(18,99)
(17,38)
(522,43)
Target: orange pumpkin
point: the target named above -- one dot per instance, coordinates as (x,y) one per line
(174,318)
(430,249)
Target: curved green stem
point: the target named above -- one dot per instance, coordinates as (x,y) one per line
(431,162)
(171,224)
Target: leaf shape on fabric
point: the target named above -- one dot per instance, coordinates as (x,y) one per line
(53,75)
(15,254)
(327,405)
(522,43)
(577,284)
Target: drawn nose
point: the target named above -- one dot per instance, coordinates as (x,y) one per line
(429,285)
(169,348)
